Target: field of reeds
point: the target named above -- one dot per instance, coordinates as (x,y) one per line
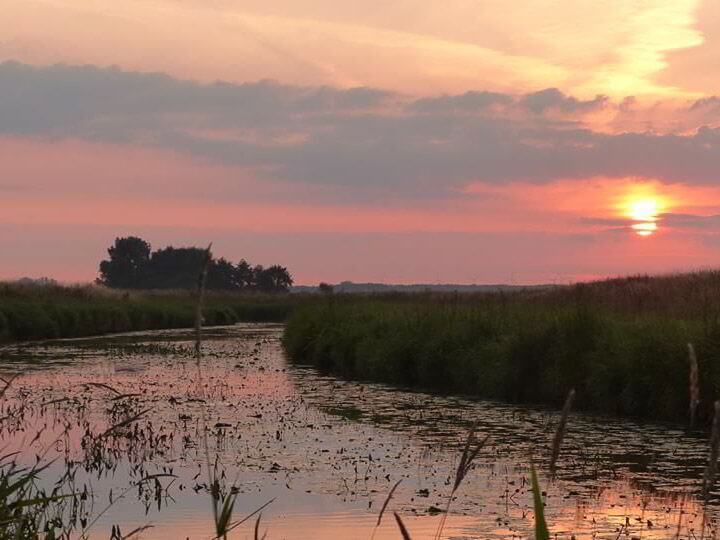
(621,344)
(31,312)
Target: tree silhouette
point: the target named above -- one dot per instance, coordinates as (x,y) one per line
(133,266)
(128,265)
(326,288)
(273,279)
(223,275)
(245,274)
(175,268)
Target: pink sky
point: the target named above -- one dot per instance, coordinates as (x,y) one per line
(403,142)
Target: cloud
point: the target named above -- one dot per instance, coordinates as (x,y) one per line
(550,100)
(712,102)
(74,98)
(697,223)
(554,99)
(692,221)
(462,103)
(362,139)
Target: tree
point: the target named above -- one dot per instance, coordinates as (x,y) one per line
(128,264)
(133,266)
(175,268)
(273,279)
(326,288)
(223,275)
(245,275)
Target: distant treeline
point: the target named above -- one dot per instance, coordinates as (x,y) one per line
(133,265)
(348,287)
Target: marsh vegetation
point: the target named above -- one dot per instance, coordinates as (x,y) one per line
(622,344)
(30,312)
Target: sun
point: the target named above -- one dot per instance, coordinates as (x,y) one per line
(644,213)
(644,209)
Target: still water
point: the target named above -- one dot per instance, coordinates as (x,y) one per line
(325,451)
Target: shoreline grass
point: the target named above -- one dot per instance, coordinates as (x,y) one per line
(621,344)
(50,312)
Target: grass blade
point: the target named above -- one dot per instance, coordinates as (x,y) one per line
(560,432)
(403,530)
(137,531)
(384,507)
(712,465)
(694,384)
(541,529)
(124,423)
(387,501)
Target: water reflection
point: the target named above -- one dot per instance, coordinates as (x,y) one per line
(327,450)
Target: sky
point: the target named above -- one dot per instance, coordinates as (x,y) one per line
(396,141)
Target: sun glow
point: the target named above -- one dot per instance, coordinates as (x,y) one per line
(645,228)
(644,210)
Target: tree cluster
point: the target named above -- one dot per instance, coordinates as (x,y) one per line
(133,265)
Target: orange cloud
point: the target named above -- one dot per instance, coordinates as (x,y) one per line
(617,48)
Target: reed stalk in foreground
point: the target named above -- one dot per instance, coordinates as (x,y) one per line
(560,432)
(223,507)
(257,529)
(116,533)
(403,530)
(384,507)
(202,278)
(470,452)
(694,384)
(712,466)
(541,528)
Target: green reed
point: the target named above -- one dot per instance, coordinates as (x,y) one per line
(519,351)
(48,312)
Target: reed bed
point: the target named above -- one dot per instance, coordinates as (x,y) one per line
(520,351)
(50,311)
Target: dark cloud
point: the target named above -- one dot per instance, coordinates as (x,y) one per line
(691,221)
(712,102)
(675,221)
(462,103)
(539,103)
(71,99)
(554,99)
(607,222)
(361,138)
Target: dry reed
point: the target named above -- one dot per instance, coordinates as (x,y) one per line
(470,452)
(541,528)
(712,465)
(202,278)
(560,432)
(694,384)
(403,529)
(384,507)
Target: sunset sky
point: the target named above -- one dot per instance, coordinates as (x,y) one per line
(464,141)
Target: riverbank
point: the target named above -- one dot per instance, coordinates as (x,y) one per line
(622,345)
(49,312)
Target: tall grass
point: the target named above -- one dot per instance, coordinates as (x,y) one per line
(526,348)
(46,312)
